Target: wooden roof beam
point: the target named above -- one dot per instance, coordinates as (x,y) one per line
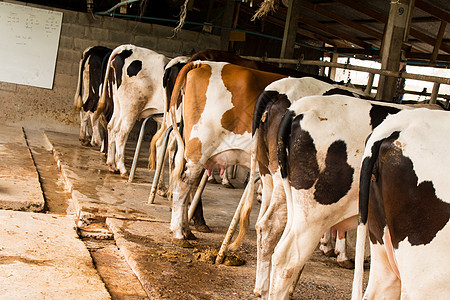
(331,15)
(336,33)
(433,10)
(438,42)
(376,15)
(301,31)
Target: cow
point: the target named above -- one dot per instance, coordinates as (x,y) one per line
(320,143)
(218,106)
(137,92)
(90,78)
(269,109)
(174,67)
(404,203)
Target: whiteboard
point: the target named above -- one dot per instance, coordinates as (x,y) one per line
(29,39)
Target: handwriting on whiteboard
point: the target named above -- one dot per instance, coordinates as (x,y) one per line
(29,39)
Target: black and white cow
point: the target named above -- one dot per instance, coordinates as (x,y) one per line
(405,204)
(320,146)
(270,108)
(137,92)
(90,79)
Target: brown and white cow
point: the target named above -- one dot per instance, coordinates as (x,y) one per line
(270,108)
(90,79)
(174,67)
(405,204)
(320,146)
(137,91)
(217,115)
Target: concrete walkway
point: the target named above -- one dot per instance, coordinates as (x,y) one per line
(41,256)
(19,182)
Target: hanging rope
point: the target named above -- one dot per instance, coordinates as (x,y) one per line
(266,7)
(182,17)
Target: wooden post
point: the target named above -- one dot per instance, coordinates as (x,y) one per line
(290,29)
(439,38)
(369,83)
(334,58)
(395,31)
(434,93)
(226,22)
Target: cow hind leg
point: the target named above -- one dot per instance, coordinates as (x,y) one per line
(341,251)
(383,283)
(326,244)
(179,224)
(111,154)
(225,179)
(199,220)
(121,140)
(269,230)
(85,128)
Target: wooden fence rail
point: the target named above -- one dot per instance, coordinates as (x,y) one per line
(436,79)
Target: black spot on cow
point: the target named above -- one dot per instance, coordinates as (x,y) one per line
(134,68)
(336,179)
(411,209)
(302,156)
(338,91)
(169,79)
(378,113)
(94,57)
(118,63)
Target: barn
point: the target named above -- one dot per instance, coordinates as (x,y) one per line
(94,84)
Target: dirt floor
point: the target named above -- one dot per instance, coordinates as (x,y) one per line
(140,261)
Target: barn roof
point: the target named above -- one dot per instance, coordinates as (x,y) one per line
(344,26)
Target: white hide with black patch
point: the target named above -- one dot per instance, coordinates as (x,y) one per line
(90,75)
(405,160)
(321,142)
(137,93)
(272,215)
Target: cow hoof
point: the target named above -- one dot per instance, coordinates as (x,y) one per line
(124,175)
(346,264)
(212,180)
(190,236)
(182,243)
(86,143)
(113,170)
(203,228)
(161,193)
(228,185)
(329,253)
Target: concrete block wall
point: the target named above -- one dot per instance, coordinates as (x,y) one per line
(44,108)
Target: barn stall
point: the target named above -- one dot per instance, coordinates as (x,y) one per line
(127,237)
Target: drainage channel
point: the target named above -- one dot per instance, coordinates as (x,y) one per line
(118,277)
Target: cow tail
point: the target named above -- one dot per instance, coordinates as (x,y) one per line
(78,101)
(179,157)
(283,136)
(367,168)
(102,101)
(247,197)
(156,138)
(160,133)
(284,132)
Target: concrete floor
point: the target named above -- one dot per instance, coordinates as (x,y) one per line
(128,239)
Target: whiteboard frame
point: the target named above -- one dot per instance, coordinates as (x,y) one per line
(29,41)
